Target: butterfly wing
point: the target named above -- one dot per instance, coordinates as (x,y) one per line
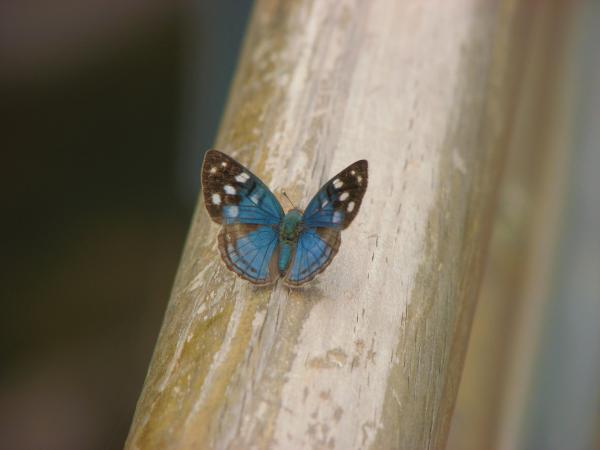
(250,251)
(249,213)
(315,250)
(338,201)
(331,210)
(233,194)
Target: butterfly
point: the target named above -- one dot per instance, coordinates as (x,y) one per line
(261,243)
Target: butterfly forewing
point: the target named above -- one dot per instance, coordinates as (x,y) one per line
(233,194)
(338,201)
(249,213)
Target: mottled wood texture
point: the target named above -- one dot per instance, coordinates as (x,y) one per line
(370,354)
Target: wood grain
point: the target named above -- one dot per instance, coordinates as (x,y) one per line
(370,354)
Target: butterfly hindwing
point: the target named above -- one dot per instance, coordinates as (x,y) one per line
(338,201)
(314,251)
(249,213)
(250,251)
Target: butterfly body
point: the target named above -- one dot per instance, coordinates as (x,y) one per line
(289,230)
(260,242)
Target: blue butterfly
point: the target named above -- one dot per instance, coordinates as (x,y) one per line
(258,240)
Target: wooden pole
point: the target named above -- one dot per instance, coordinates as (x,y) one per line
(370,354)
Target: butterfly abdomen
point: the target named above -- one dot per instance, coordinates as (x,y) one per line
(285,256)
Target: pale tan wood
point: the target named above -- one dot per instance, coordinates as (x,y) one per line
(489,410)
(370,354)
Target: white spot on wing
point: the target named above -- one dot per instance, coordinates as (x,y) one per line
(229,189)
(216,199)
(344,196)
(232,211)
(358,179)
(337,183)
(224,163)
(353,172)
(350,207)
(325,203)
(337,217)
(255,198)
(242,177)
(213,170)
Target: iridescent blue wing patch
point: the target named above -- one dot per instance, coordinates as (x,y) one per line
(249,213)
(315,249)
(333,208)
(249,251)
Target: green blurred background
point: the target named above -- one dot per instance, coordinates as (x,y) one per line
(107,108)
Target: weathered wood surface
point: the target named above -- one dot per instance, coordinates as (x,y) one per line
(370,354)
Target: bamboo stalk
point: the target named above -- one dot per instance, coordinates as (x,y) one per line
(370,354)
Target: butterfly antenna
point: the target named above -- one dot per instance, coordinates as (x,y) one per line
(288,199)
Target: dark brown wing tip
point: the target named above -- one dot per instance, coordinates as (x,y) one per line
(363,165)
(208,154)
(212,152)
